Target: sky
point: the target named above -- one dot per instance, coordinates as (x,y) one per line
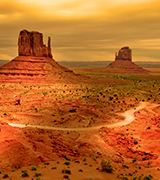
(84,30)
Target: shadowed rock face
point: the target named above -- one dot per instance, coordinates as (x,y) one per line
(31,44)
(124,54)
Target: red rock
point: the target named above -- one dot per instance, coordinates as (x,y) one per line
(31,44)
(124,53)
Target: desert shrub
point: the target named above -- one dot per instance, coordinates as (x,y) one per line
(67,163)
(125,165)
(80,170)
(106,166)
(65,176)
(125,178)
(25,173)
(147,177)
(38,178)
(134,160)
(5,175)
(46,163)
(33,168)
(110,98)
(85,163)
(67,171)
(144,159)
(37,174)
(135,142)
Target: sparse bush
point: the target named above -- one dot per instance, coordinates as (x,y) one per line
(25,173)
(66,158)
(37,174)
(80,170)
(147,177)
(5,175)
(126,166)
(106,166)
(33,168)
(125,178)
(67,163)
(67,171)
(65,176)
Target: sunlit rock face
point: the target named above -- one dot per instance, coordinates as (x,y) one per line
(125,53)
(31,44)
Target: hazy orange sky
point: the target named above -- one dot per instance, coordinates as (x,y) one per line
(83,30)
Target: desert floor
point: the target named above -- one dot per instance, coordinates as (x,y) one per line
(106,129)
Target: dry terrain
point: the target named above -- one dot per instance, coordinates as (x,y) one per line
(90,140)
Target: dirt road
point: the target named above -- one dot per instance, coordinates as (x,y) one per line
(129,117)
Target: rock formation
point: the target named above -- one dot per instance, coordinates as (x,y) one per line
(123,63)
(31,44)
(124,54)
(35,62)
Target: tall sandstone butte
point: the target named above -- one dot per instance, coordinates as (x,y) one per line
(34,63)
(125,53)
(31,44)
(123,63)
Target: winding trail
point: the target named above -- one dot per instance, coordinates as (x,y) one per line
(129,117)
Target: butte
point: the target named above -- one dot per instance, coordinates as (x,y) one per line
(123,63)
(35,63)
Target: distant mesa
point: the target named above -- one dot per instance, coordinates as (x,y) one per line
(123,63)
(34,62)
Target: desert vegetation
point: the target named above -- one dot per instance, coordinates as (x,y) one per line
(127,152)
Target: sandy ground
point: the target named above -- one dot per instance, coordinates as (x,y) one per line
(84,124)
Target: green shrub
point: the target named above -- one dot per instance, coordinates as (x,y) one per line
(67,163)
(37,174)
(125,165)
(25,173)
(147,177)
(66,158)
(65,176)
(125,178)
(5,175)
(33,168)
(106,166)
(67,171)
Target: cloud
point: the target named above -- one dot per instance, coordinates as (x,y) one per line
(89,30)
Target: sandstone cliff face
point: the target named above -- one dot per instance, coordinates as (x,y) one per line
(31,44)
(124,54)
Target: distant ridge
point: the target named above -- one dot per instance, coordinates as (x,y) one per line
(143,64)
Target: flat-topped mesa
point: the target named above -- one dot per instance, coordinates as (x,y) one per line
(125,53)
(31,44)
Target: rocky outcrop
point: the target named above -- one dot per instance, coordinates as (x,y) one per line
(125,53)
(31,44)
